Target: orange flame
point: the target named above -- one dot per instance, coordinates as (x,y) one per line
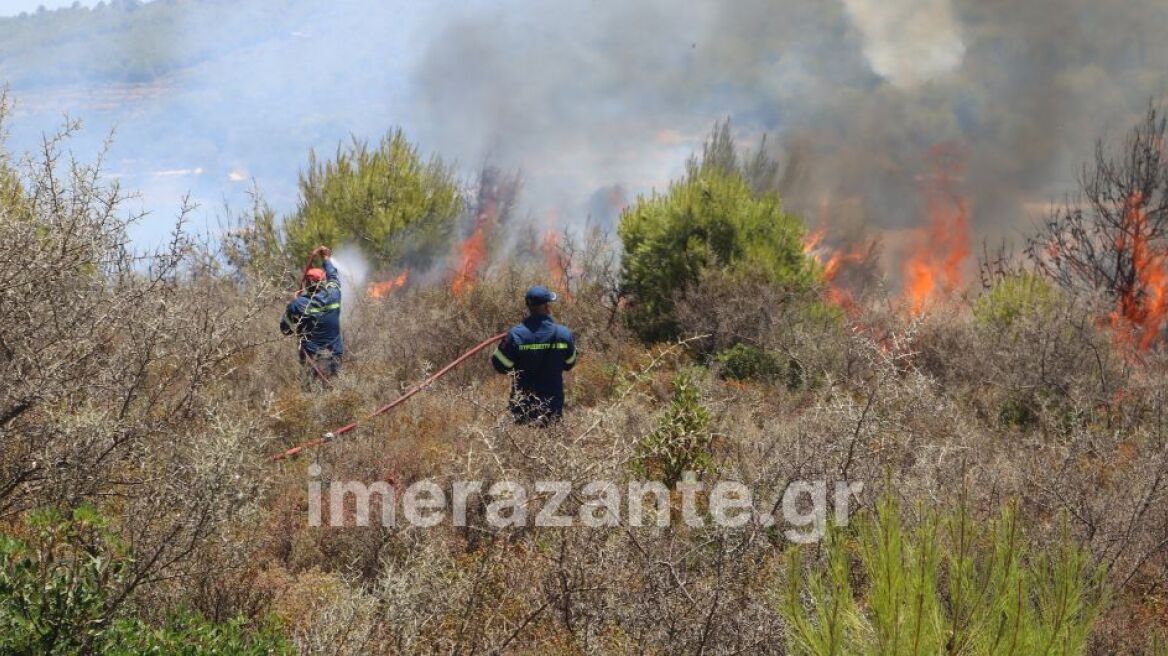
(555,264)
(941,248)
(835,293)
(384,288)
(473,251)
(1143,307)
(811,241)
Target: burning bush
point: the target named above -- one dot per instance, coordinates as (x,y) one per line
(152,393)
(1114,237)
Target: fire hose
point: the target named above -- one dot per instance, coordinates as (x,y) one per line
(332,435)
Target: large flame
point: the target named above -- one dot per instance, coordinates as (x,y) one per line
(472,252)
(384,288)
(934,265)
(556,266)
(832,262)
(1140,313)
(811,242)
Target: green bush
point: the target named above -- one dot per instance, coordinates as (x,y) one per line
(1016,313)
(190,634)
(385,199)
(54,587)
(746,362)
(1019,410)
(712,218)
(681,441)
(1012,298)
(950,585)
(59,592)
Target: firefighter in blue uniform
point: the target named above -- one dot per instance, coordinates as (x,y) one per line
(315,317)
(538,351)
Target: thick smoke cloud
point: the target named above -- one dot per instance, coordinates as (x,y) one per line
(908,42)
(602,100)
(856,91)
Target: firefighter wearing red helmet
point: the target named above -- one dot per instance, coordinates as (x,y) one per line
(314,316)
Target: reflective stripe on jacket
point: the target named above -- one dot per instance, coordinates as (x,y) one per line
(316,315)
(539,351)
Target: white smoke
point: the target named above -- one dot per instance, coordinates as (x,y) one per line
(908,42)
(354,272)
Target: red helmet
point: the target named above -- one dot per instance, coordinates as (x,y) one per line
(314,275)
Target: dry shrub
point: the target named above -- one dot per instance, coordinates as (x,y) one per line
(116,367)
(326,615)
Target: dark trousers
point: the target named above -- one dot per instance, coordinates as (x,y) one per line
(322,364)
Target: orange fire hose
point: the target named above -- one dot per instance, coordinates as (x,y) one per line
(332,435)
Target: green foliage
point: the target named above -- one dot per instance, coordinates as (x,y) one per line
(12,196)
(1012,298)
(54,588)
(190,634)
(681,442)
(835,618)
(59,588)
(949,585)
(387,200)
(1019,410)
(746,362)
(712,218)
(1017,310)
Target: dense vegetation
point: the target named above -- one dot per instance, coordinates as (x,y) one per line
(1012,455)
(57,585)
(949,585)
(398,208)
(711,220)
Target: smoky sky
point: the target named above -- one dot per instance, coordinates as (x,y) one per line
(585,96)
(857,91)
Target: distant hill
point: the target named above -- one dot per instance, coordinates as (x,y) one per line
(128,41)
(205,95)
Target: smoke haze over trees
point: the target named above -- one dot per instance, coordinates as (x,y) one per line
(595,102)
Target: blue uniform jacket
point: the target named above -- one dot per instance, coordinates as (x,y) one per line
(539,350)
(316,316)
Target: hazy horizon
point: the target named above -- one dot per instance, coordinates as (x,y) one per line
(16,7)
(593,100)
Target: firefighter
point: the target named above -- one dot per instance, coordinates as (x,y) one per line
(315,317)
(538,351)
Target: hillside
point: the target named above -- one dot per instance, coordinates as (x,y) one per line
(892,445)
(131,42)
(875,365)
